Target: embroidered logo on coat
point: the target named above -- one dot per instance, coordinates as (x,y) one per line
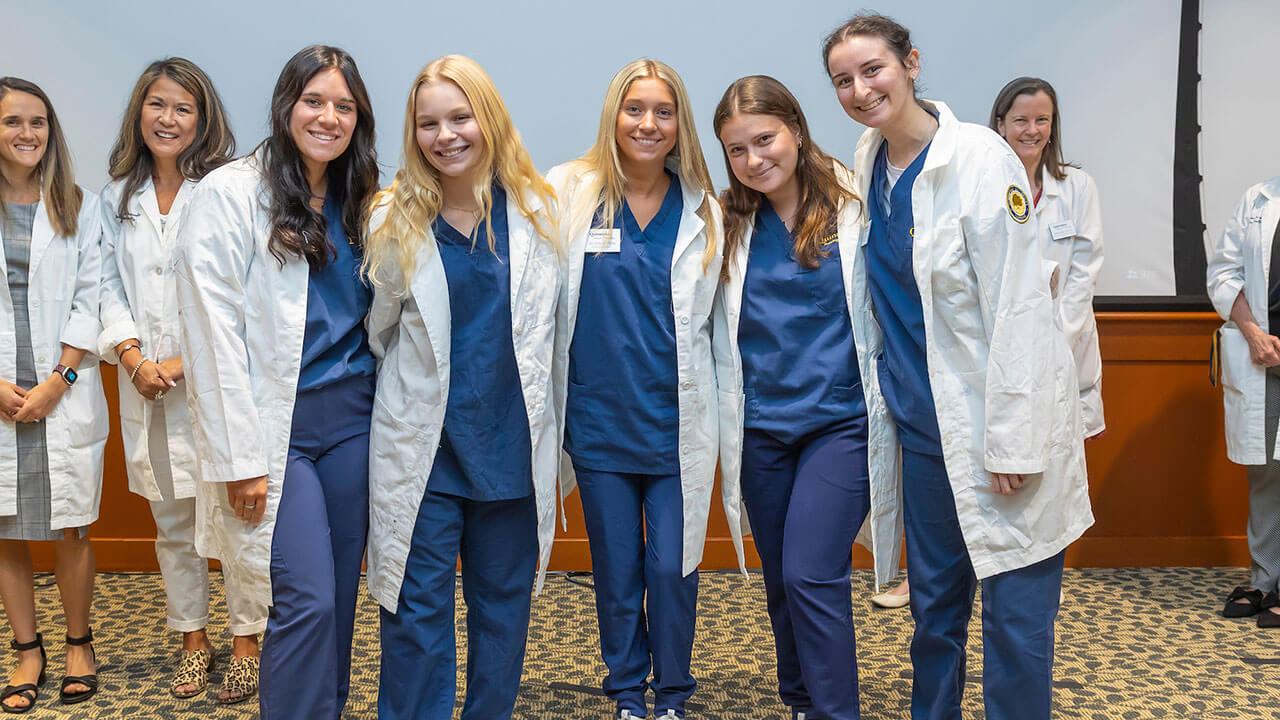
(1019,207)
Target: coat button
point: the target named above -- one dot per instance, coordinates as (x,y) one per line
(519,331)
(684,319)
(687,384)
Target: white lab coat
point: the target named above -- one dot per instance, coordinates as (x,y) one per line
(410,334)
(140,300)
(1242,261)
(882,459)
(243,318)
(64,276)
(692,294)
(1070,222)
(1002,376)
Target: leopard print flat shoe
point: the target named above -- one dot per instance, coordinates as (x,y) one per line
(193,669)
(240,682)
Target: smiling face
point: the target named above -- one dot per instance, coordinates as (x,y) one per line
(647,127)
(763,152)
(1028,125)
(323,118)
(448,133)
(169,119)
(874,87)
(24,134)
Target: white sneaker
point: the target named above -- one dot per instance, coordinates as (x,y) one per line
(626,715)
(799,716)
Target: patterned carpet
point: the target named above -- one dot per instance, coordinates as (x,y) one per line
(1132,644)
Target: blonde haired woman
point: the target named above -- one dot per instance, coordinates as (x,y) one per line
(464,440)
(174,132)
(636,382)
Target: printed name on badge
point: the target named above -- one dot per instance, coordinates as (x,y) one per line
(1062,230)
(601,240)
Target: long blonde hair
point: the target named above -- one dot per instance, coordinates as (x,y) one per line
(414,200)
(609,182)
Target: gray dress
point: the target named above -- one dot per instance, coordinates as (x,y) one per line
(32,521)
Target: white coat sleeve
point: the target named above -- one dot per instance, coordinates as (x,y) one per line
(81,328)
(1077,302)
(383,320)
(117,318)
(215,249)
(1225,270)
(1014,288)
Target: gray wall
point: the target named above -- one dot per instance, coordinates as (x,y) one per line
(1113,63)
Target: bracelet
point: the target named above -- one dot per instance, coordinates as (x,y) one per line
(137,367)
(127,348)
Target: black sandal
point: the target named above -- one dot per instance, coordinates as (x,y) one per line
(1266,618)
(90,681)
(1235,609)
(28,691)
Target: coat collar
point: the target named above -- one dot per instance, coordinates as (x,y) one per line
(941,149)
(691,223)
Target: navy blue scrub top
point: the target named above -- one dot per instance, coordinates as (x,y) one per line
(799,362)
(623,412)
(485,452)
(903,369)
(335,345)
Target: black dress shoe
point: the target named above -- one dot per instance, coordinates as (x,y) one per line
(1235,609)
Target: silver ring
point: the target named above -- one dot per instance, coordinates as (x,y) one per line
(250,507)
(159,394)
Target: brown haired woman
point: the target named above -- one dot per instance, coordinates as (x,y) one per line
(951,284)
(796,432)
(1025,113)
(173,134)
(54,414)
(281,375)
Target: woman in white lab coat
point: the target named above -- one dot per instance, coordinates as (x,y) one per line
(281,376)
(462,252)
(174,132)
(1244,286)
(636,382)
(1025,113)
(952,297)
(54,413)
(794,432)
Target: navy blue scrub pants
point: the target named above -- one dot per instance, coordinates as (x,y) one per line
(635,527)
(498,542)
(316,551)
(1018,611)
(806,501)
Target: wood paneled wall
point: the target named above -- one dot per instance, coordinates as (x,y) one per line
(1163,491)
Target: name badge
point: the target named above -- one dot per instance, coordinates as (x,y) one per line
(600,240)
(1062,230)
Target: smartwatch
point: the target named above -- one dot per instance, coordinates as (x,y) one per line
(69,375)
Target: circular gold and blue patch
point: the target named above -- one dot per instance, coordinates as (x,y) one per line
(1019,205)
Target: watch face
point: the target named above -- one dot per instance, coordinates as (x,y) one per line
(70,375)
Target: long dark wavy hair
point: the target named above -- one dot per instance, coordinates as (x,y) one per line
(821,193)
(213,146)
(296,228)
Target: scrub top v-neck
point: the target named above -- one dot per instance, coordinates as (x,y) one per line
(903,370)
(485,451)
(799,362)
(335,344)
(622,412)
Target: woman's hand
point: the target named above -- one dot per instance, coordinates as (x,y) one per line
(1264,348)
(172,369)
(11,399)
(151,381)
(1007,483)
(248,498)
(41,400)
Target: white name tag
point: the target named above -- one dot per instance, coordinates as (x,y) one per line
(1062,230)
(600,240)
